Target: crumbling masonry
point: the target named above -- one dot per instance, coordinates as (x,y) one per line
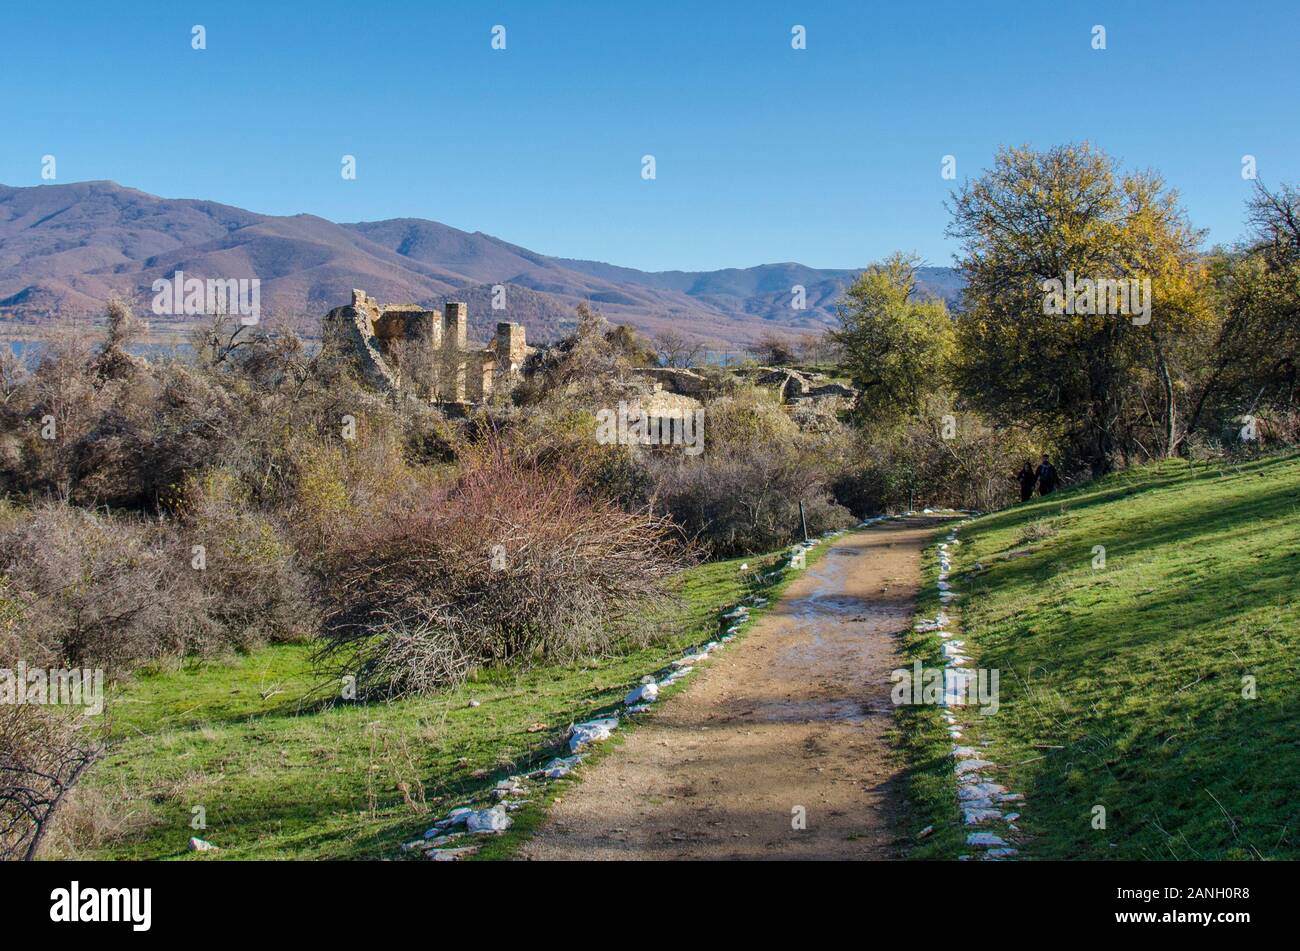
(430,347)
(404,347)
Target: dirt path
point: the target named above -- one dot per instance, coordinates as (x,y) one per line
(795,713)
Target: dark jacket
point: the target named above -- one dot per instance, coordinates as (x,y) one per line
(1046,478)
(1027,478)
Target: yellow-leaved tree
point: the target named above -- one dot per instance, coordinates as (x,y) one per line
(1083,287)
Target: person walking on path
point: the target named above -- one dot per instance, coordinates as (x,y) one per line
(1028,477)
(1047,480)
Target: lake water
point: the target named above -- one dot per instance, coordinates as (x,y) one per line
(29,351)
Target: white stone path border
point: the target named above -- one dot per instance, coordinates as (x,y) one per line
(443,841)
(981,800)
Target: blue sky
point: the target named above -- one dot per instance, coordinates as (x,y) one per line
(829,156)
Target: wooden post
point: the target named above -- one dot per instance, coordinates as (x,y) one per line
(803,519)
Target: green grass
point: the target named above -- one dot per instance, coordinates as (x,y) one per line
(1122,686)
(282,776)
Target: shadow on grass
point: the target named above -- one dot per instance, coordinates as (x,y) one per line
(1128,693)
(1134,483)
(1187,782)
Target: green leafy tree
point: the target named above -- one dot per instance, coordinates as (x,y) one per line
(894,344)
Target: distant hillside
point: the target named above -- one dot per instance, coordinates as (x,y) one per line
(65,249)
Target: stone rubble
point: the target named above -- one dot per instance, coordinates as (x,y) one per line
(558,767)
(488,820)
(593,731)
(977,795)
(642,695)
(452,855)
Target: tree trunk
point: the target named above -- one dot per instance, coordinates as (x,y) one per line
(1102,374)
(1167,382)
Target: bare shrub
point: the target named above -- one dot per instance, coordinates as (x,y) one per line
(775,350)
(106,428)
(88,589)
(43,750)
(252,588)
(1038,530)
(110,429)
(90,817)
(943,457)
(420,367)
(429,438)
(745,503)
(113,361)
(46,413)
(43,753)
(113,591)
(511,563)
(413,658)
(742,495)
(592,365)
(748,419)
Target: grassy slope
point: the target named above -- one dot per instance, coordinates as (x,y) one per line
(280,777)
(1122,686)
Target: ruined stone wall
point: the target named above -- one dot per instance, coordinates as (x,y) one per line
(377,339)
(456,384)
(383,340)
(351,329)
(511,349)
(407,322)
(506,358)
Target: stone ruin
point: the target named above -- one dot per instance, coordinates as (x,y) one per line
(813,400)
(383,340)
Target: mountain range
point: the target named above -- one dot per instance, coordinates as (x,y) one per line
(66,249)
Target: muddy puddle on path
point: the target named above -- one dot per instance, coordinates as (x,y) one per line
(807,711)
(829,630)
(793,716)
